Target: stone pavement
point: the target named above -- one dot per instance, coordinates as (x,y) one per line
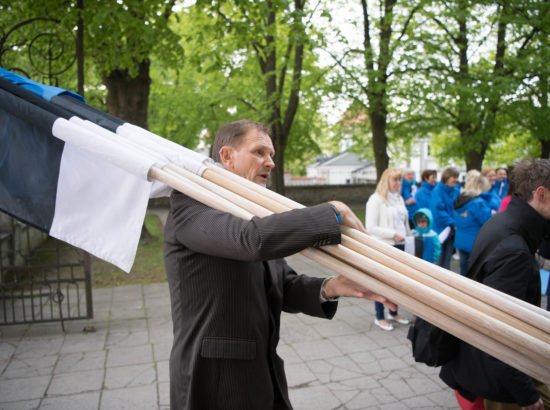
(345,363)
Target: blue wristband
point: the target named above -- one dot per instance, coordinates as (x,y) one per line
(337,212)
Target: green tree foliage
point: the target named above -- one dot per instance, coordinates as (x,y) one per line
(372,73)
(465,72)
(248,60)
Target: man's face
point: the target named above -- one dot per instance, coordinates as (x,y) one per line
(253,159)
(501,174)
(409,176)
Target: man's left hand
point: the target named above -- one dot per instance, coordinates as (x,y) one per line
(342,286)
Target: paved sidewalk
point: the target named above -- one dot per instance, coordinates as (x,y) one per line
(346,363)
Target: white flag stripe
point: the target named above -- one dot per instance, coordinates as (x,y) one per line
(112,152)
(99,207)
(160,159)
(177,154)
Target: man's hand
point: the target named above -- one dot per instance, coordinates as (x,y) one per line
(342,286)
(538,405)
(348,216)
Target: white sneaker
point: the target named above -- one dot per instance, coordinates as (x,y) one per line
(402,320)
(383,327)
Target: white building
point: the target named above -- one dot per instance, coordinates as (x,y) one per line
(339,169)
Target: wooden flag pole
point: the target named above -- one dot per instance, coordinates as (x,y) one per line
(484,342)
(514,306)
(482,322)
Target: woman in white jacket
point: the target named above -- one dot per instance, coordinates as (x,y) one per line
(387,219)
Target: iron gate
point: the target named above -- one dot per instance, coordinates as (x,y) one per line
(42,279)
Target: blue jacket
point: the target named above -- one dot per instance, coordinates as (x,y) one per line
(471,212)
(431,247)
(500,188)
(441,205)
(492,199)
(424,194)
(406,193)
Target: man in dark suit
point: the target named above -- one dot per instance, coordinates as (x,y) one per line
(229,285)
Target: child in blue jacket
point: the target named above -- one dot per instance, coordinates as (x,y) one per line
(426,240)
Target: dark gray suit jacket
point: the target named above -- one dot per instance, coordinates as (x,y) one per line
(228,287)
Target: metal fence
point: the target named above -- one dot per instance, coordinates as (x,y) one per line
(42,279)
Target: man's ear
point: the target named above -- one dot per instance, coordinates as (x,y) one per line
(226,157)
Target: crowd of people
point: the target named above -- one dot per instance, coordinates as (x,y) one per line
(495,248)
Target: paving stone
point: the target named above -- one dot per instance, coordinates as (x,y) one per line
(329,328)
(132,398)
(123,295)
(130,312)
(335,369)
(161,351)
(83,342)
(76,382)
(30,367)
(391,363)
(164,395)
(125,337)
(20,405)
(351,343)
(318,349)
(35,348)
(161,333)
(297,332)
(125,356)
(128,376)
(288,354)
(361,399)
(398,388)
(134,325)
(23,389)
(163,371)
(315,397)
(299,375)
(86,401)
(82,361)
(7,349)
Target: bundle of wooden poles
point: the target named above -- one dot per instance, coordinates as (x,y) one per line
(507,328)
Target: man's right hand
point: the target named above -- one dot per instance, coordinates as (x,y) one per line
(348,216)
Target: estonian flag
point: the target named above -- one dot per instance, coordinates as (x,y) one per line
(93,198)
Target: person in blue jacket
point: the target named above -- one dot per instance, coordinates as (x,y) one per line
(491,197)
(424,193)
(428,247)
(408,191)
(501,182)
(441,205)
(471,212)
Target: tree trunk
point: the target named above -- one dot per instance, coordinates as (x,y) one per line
(379,142)
(128,97)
